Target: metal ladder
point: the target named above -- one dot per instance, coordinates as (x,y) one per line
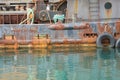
(94,9)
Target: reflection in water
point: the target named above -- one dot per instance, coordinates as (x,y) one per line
(59,64)
(107,63)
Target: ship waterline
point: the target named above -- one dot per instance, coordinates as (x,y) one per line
(44,35)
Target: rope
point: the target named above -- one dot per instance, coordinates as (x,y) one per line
(60,4)
(49,16)
(30,16)
(24,21)
(23,17)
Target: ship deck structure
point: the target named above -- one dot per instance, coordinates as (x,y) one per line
(59,23)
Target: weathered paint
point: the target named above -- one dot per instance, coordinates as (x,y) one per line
(42,35)
(76,6)
(108,13)
(83,11)
(22,32)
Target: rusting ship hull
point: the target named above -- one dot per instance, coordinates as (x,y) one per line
(69,35)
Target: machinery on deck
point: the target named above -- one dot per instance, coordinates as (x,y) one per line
(15,11)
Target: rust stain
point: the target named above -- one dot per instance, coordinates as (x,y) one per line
(76,6)
(108,13)
(105,28)
(118,26)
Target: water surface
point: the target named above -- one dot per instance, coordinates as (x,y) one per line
(60,64)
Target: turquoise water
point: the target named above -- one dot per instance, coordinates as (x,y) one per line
(60,64)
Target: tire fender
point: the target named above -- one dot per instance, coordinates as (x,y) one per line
(105,35)
(117,45)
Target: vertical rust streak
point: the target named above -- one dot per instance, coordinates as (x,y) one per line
(118,26)
(108,13)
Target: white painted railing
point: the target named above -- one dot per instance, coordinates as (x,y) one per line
(15,1)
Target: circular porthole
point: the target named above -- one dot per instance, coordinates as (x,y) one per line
(108,5)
